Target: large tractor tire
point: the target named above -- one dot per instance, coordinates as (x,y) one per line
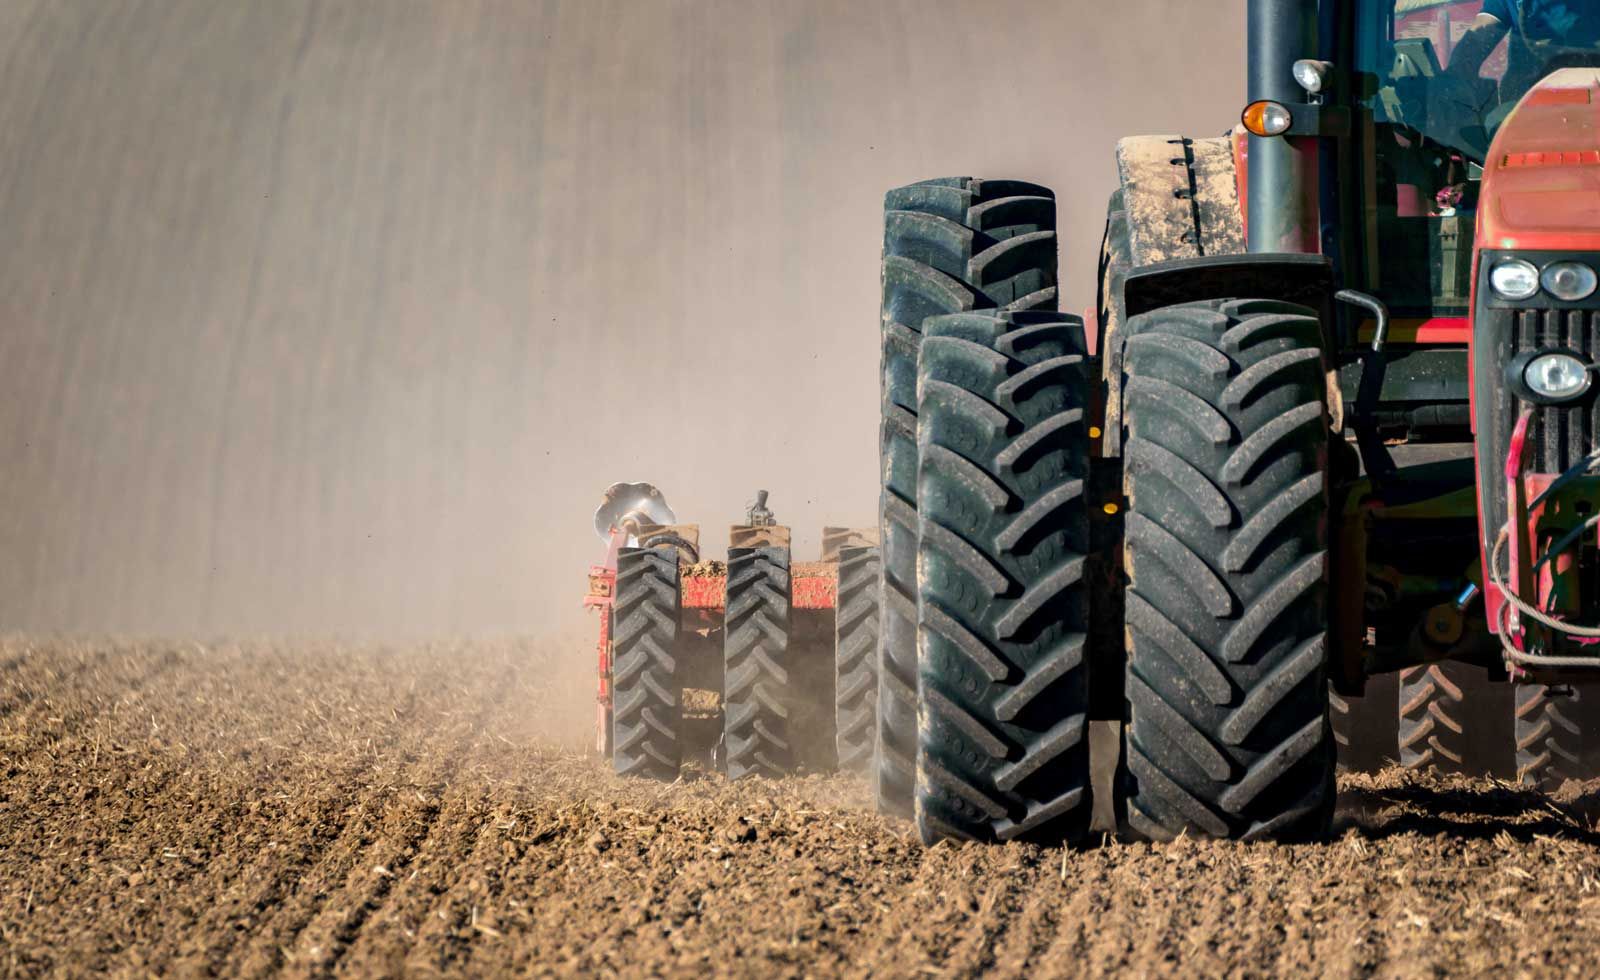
(856,658)
(1554,742)
(645,686)
(1433,718)
(949,246)
(1225,475)
(1452,718)
(758,697)
(1002,604)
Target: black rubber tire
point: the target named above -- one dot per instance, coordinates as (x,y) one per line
(1432,718)
(1553,742)
(645,689)
(949,245)
(1002,604)
(856,658)
(758,698)
(1225,472)
(1339,718)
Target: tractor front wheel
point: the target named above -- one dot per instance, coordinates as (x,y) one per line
(1555,741)
(1433,717)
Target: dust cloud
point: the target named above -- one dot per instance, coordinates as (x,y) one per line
(339,316)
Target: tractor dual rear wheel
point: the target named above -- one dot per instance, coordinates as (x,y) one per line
(1226,552)
(950,245)
(1003,606)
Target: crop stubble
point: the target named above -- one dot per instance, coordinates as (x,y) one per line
(312,809)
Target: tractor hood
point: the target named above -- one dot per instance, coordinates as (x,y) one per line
(1541,180)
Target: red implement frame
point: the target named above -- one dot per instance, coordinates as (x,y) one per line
(602,588)
(813,585)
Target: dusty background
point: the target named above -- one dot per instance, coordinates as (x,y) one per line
(338,316)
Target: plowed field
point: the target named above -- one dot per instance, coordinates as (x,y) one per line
(313,809)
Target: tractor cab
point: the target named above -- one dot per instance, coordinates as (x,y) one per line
(1405,99)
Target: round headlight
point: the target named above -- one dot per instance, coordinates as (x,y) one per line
(1557,376)
(1515,279)
(1570,281)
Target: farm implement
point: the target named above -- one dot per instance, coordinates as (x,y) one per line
(757,665)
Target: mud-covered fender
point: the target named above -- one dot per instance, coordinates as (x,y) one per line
(1177,198)
(1181,196)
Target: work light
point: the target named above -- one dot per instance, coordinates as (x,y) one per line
(1311,74)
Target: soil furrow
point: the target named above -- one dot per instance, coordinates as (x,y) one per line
(313,809)
(405,831)
(1036,924)
(362,775)
(440,863)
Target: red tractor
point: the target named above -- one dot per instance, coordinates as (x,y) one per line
(1332,417)
(758,665)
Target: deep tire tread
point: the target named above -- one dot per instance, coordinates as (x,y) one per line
(1003,611)
(951,245)
(1226,612)
(757,684)
(1432,718)
(646,717)
(1554,740)
(856,658)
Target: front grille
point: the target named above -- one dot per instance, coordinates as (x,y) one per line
(1560,436)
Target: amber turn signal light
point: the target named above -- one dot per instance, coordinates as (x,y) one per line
(1266,118)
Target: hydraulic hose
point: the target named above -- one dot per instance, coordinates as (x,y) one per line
(1522,607)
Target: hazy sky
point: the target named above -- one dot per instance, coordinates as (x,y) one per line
(339,316)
